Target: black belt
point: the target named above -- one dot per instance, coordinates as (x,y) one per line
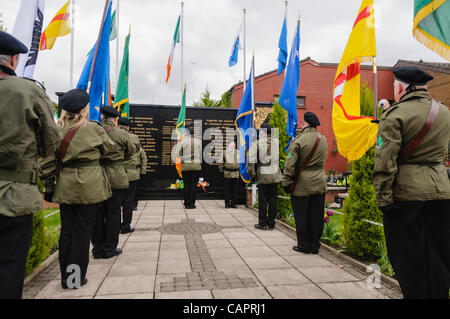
(112,163)
(82,164)
(12,175)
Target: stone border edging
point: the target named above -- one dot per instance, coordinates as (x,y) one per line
(47,262)
(385,279)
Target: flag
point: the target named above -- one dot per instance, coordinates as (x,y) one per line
(235,49)
(282,45)
(28,28)
(113,32)
(355,134)
(288,95)
(176,39)
(98,88)
(180,129)
(58,27)
(431,25)
(121,97)
(244,124)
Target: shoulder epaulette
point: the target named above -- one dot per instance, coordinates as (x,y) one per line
(36,82)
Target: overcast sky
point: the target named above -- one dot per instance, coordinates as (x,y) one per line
(210,27)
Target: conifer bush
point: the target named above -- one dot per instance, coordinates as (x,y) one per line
(39,249)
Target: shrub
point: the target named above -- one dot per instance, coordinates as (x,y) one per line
(39,249)
(361,237)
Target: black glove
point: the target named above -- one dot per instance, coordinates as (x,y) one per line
(389,208)
(48,197)
(287,189)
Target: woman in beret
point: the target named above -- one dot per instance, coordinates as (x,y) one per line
(81,184)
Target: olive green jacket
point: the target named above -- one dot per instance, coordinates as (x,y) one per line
(264,165)
(142,161)
(113,162)
(424,176)
(190,152)
(81,179)
(27,130)
(230,164)
(312,180)
(131,163)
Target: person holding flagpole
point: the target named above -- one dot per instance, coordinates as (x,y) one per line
(27,131)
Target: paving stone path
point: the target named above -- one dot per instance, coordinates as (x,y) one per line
(209,252)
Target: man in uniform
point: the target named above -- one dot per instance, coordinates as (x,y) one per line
(230,168)
(142,166)
(412,187)
(263,166)
(27,130)
(190,152)
(105,236)
(133,173)
(308,196)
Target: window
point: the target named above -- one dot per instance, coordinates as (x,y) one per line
(301,101)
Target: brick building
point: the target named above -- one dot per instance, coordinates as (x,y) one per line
(315,95)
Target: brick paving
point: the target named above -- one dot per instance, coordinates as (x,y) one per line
(210,252)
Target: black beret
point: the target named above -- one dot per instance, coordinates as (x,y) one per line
(124,121)
(74,100)
(9,45)
(109,111)
(412,75)
(312,119)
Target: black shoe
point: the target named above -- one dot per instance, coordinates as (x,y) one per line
(234,206)
(258,226)
(227,206)
(270,228)
(135,208)
(301,250)
(314,251)
(114,254)
(97,256)
(64,284)
(126,231)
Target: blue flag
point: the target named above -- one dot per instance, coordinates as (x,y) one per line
(235,50)
(288,95)
(282,45)
(244,124)
(100,79)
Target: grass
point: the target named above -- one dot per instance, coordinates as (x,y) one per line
(53,225)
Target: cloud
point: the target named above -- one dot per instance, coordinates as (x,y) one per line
(209,30)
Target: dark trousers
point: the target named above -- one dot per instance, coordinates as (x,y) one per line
(77,222)
(136,198)
(267,199)
(105,236)
(15,236)
(128,206)
(418,244)
(190,179)
(231,190)
(309,220)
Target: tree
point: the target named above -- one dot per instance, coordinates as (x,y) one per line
(2,24)
(226,99)
(206,100)
(366,100)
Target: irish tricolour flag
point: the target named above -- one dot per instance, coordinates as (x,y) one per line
(176,39)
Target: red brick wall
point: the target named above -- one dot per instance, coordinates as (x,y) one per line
(316,84)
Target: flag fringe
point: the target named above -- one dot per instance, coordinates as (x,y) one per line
(432,43)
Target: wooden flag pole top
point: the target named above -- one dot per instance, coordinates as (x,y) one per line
(107,2)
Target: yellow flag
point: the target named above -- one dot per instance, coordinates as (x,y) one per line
(58,27)
(355,134)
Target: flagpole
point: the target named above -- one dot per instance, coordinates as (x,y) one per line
(97,45)
(72,40)
(252,81)
(245,40)
(375,87)
(285,9)
(182,47)
(117,41)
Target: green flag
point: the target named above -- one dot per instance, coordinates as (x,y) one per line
(431,25)
(113,34)
(121,97)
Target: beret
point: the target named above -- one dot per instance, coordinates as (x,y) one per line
(312,119)
(109,111)
(124,121)
(74,100)
(412,75)
(9,45)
